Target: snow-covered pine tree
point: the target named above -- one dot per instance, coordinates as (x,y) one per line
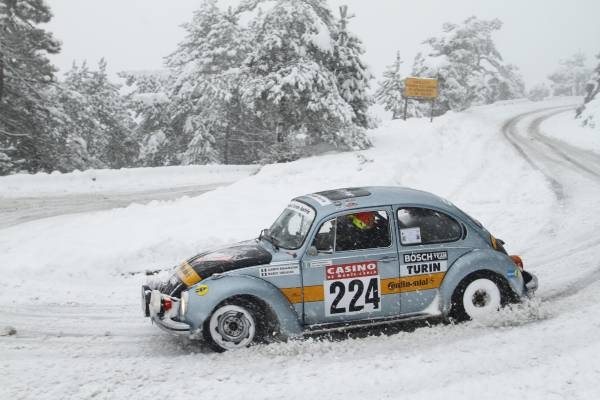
(470,66)
(589,112)
(538,92)
(571,77)
(352,73)
(290,85)
(26,140)
(149,101)
(100,116)
(205,95)
(390,92)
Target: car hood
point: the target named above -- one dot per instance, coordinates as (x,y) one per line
(239,255)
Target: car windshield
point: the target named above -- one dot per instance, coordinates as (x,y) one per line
(291,227)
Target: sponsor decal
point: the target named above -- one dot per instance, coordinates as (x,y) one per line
(426,262)
(354,270)
(516,273)
(301,208)
(352,288)
(320,263)
(412,283)
(322,200)
(186,273)
(202,290)
(410,235)
(279,270)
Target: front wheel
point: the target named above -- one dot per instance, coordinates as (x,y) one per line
(478,297)
(231,327)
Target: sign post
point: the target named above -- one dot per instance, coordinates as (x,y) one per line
(420,89)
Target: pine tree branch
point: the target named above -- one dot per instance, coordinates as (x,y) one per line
(2,131)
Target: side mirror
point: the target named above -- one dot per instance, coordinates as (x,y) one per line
(312,251)
(264,232)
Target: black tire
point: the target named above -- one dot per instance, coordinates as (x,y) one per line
(478,290)
(234,324)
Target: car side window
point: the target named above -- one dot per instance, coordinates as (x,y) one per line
(362,230)
(325,237)
(425,226)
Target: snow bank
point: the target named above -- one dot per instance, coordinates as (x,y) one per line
(121,180)
(590,117)
(567,128)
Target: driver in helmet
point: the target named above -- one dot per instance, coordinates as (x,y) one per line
(363,220)
(364,230)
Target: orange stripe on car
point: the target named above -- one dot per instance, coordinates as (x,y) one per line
(311,293)
(388,286)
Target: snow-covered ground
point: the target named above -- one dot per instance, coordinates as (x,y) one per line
(126,180)
(562,127)
(71,287)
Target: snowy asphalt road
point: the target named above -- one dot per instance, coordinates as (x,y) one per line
(19,210)
(546,154)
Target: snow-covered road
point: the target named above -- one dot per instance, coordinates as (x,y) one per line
(19,210)
(70,294)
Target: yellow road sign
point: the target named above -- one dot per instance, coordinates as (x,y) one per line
(423,88)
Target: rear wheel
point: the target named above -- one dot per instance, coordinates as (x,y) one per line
(232,326)
(478,296)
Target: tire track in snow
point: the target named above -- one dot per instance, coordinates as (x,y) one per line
(511,133)
(550,150)
(576,154)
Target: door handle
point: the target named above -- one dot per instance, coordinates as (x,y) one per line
(388,259)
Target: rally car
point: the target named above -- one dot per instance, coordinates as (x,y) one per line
(339,259)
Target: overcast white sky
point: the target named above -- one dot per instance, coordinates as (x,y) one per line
(137,34)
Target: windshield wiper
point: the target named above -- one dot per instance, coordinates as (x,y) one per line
(266,234)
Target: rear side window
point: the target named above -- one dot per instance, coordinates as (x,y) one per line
(425,226)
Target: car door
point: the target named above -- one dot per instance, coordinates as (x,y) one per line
(347,266)
(429,242)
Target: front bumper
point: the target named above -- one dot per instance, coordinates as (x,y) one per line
(167,320)
(531,282)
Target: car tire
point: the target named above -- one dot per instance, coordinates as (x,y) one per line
(478,296)
(233,325)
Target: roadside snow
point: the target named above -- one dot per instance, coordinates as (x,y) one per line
(125,180)
(568,129)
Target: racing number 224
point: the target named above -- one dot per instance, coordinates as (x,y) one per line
(356,287)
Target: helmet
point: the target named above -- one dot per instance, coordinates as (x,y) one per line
(363,220)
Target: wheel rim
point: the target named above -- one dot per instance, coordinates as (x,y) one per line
(232,327)
(481,298)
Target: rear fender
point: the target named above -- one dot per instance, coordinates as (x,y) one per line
(207,294)
(480,260)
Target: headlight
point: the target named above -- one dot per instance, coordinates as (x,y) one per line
(183,303)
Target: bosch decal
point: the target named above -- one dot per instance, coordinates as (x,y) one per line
(421,263)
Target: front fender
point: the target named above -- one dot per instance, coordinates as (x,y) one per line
(480,260)
(207,294)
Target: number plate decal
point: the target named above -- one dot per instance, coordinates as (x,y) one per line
(352,288)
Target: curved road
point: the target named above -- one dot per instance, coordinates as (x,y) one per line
(14,211)
(573,174)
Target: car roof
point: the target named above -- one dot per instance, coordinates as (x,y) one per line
(331,201)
